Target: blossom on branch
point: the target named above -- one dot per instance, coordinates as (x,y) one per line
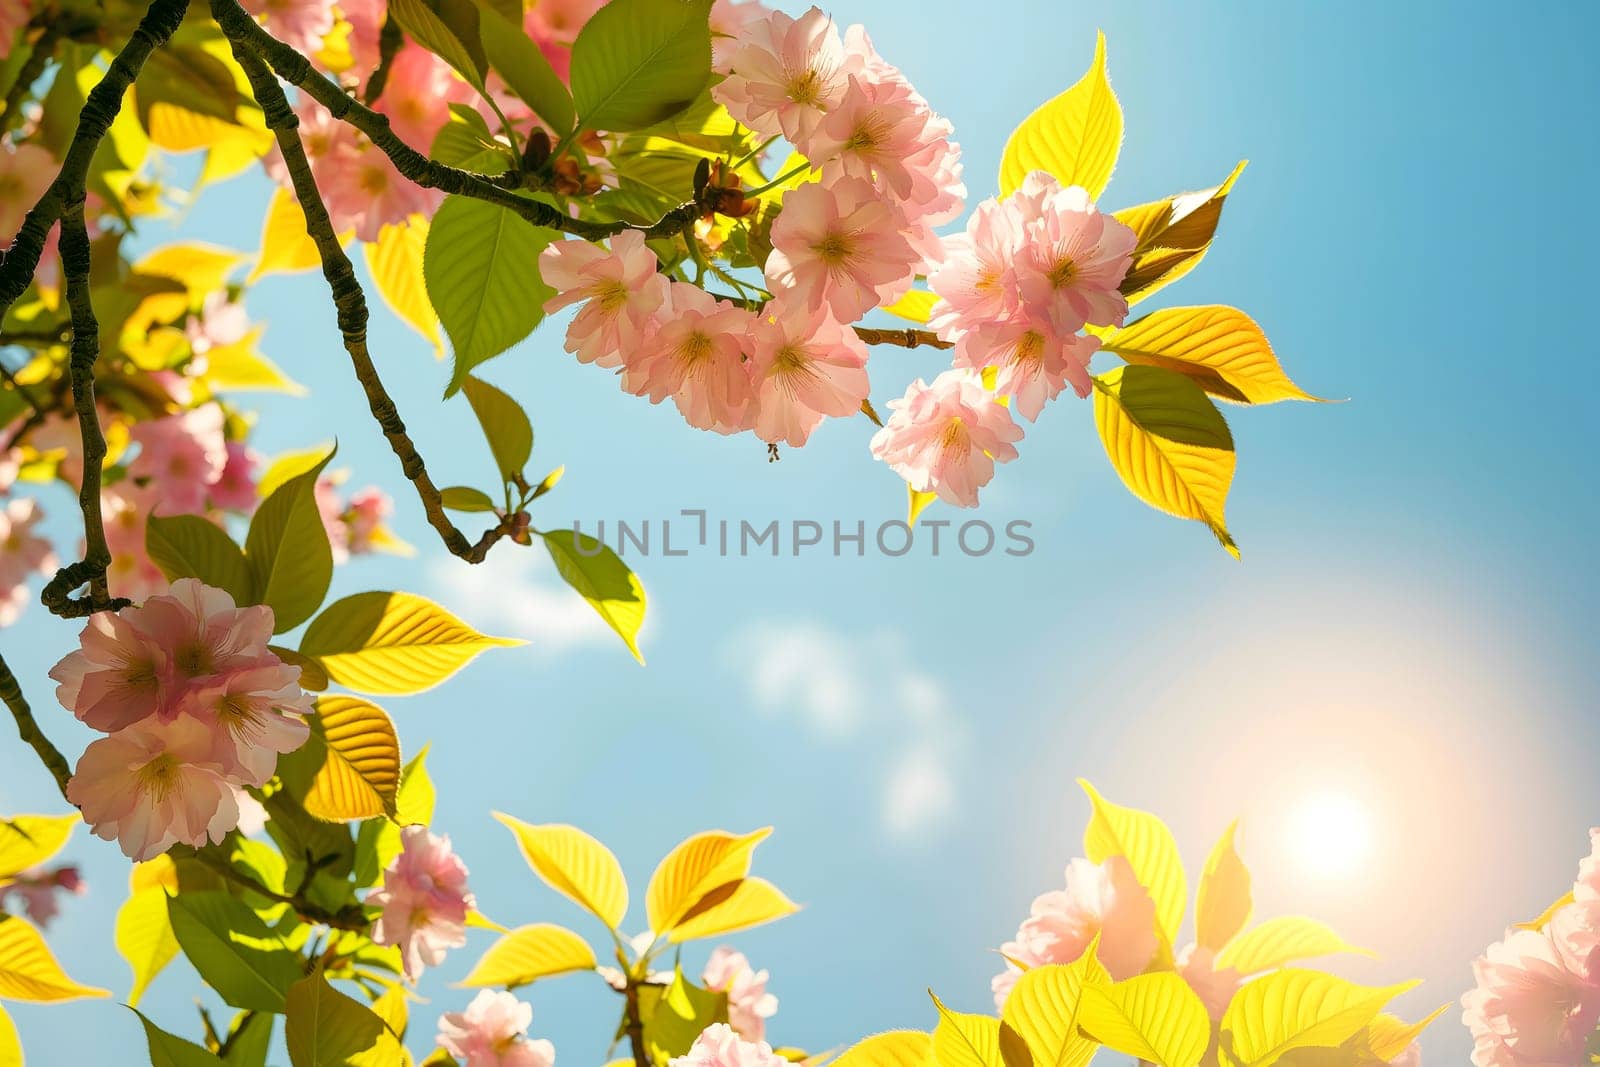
(945,438)
(493,1032)
(749,1003)
(424,901)
(720,1046)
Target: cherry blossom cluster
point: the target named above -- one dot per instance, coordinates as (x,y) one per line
(719,1045)
(493,1032)
(423,902)
(1016,290)
(23,553)
(1537,998)
(38,888)
(749,1003)
(195,707)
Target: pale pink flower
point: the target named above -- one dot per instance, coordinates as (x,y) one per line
(1034,363)
(1100,899)
(693,354)
(364,518)
(621,289)
(418,95)
(119,675)
(806,365)
(1528,1009)
(1213,985)
(493,1032)
(876,132)
(1587,887)
(946,437)
(558,21)
(235,487)
(1073,257)
(220,322)
(22,551)
(58,438)
(786,74)
(976,283)
(38,889)
(424,901)
(180,456)
(301,24)
(26,170)
(749,1003)
(154,785)
(256,713)
(206,636)
(840,244)
(1575,930)
(365,193)
(331,507)
(1410,1056)
(126,508)
(731,20)
(720,1046)
(366,26)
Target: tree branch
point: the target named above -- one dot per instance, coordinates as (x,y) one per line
(902,338)
(634,1024)
(28,728)
(243,30)
(351,303)
(101,107)
(43,49)
(352,917)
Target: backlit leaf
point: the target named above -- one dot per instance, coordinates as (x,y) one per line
(233,950)
(750,902)
(288,550)
(897,1048)
(575,865)
(189,546)
(395,643)
(395,262)
(240,367)
(638,62)
(10,1043)
(601,578)
(1388,1036)
(29,840)
(379,840)
(360,774)
(1291,1009)
(1282,940)
(693,871)
(422,22)
(465,498)
(1173,236)
(917,503)
(1044,1006)
(286,247)
(505,425)
(1153,1017)
(1221,348)
(526,71)
(1222,904)
(915,306)
(679,1016)
(28,970)
(325,1028)
(1147,844)
(169,1050)
(963,1040)
(144,937)
(1076,136)
(1168,443)
(529,953)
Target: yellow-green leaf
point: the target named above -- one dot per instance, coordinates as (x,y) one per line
(683,883)
(288,549)
(599,576)
(1292,1008)
(1154,1017)
(192,546)
(1168,443)
(395,262)
(1148,846)
(29,972)
(915,306)
(29,840)
(286,247)
(10,1043)
(1220,348)
(963,1040)
(1044,1006)
(1173,236)
(917,503)
(396,643)
(144,937)
(240,367)
(574,864)
(1388,1036)
(325,1028)
(750,902)
(1075,136)
(529,953)
(1222,904)
(897,1048)
(1279,941)
(360,772)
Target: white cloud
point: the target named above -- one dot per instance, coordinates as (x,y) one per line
(918,791)
(515,592)
(803,667)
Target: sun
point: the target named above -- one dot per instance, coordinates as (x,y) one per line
(1330,834)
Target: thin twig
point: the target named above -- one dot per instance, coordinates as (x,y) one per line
(634,1023)
(43,50)
(28,728)
(351,917)
(351,304)
(902,338)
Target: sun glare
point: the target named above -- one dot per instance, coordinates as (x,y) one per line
(1331,834)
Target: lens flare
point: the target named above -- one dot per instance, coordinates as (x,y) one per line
(1331,834)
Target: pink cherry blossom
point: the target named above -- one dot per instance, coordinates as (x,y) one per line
(22,553)
(786,74)
(424,901)
(256,715)
(38,890)
(1575,930)
(1034,363)
(976,283)
(300,23)
(119,675)
(720,1046)
(621,288)
(331,507)
(840,244)
(126,508)
(154,785)
(946,437)
(749,1003)
(694,354)
(364,518)
(205,634)
(235,487)
(1073,257)
(876,132)
(1528,1009)
(731,20)
(418,95)
(1104,899)
(493,1032)
(26,170)
(181,456)
(1213,985)
(366,26)
(219,323)
(806,365)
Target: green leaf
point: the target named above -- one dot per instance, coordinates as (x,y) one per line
(638,62)
(288,550)
(233,950)
(168,1050)
(505,425)
(526,71)
(683,1011)
(144,937)
(465,498)
(392,643)
(189,546)
(325,1028)
(250,1037)
(379,841)
(466,144)
(601,578)
(1154,1017)
(1174,235)
(447,30)
(481,267)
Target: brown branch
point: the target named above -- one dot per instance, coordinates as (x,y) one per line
(634,1024)
(351,917)
(243,30)
(43,50)
(28,728)
(351,303)
(903,338)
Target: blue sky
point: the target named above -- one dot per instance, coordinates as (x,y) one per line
(1411,624)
